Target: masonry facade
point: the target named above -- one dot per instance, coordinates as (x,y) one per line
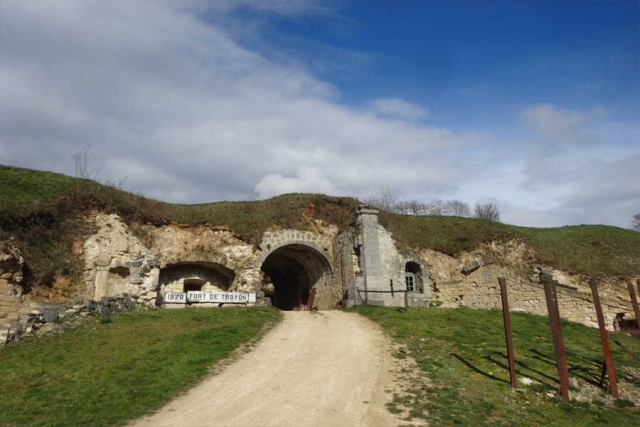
(359,265)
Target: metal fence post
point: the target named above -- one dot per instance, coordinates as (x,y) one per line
(634,302)
(556,331)
(507,331)
(604,337)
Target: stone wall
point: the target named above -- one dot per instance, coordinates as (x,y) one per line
(472,281)
(175,258)
(63,317)
(178,257)
(11,277)
(381,265)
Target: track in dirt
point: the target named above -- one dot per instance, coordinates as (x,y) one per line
(326,368)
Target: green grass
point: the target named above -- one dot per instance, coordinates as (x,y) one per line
(597,250)
(42,211)
(463,353)
(121,367)
(23,186)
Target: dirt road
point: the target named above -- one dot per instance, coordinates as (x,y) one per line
(315,369)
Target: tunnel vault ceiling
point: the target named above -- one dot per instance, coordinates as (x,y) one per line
(294,270)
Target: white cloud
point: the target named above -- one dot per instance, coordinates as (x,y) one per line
(169,99)
(397,108)
(557,125)
(308,180)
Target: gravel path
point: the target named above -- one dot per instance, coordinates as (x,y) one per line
(328,368)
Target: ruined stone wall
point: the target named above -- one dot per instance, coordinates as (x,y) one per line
(116,262)
(11,278)
(472,281)
(346,265)
(173,244)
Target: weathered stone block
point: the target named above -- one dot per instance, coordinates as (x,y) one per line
(136,280)
(49,314)
(103,262)
(470,268)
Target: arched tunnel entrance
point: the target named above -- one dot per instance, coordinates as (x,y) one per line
(292,271)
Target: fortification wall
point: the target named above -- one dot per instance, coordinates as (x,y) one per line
(472,281)
(11,277)
(335,263)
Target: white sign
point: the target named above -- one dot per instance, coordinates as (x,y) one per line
(221,297)
(175,297)
(210,297)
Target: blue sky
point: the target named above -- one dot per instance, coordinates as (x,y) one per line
(470,61)
(532,105)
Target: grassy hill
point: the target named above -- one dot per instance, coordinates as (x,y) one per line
(41,211)
(462,352)
(117,368)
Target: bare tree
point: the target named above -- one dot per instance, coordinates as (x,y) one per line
(458,208)
(383,197)
(405,207)
(487,211)
(436,207)
(81,157)
(636,222)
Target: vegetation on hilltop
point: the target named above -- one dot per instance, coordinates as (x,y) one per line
(42,212)
(597,250)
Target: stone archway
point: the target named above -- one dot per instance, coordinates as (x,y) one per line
(293,271)
(195,276)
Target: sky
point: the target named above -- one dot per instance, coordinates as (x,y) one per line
(533,105)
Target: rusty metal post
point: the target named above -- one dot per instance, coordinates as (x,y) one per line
(507,331)
(556,331)
(634,302)
(604,337)
(406,300)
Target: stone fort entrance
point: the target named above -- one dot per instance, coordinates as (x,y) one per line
(291,272)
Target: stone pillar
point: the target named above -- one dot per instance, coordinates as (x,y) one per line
(367,226)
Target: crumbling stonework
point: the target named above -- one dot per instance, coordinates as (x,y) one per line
(53,318)
(116,262)
(11,277)
(471,280)
(201,258)
(288,266)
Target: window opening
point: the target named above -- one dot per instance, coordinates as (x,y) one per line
(410,281)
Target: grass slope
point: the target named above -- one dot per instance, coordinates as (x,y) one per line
(38,207)
(597,250)
(120,367)
(463,353)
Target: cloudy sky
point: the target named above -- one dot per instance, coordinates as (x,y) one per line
(531,104)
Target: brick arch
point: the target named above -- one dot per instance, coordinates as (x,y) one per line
(178,276)
(293,267)
(274,240)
